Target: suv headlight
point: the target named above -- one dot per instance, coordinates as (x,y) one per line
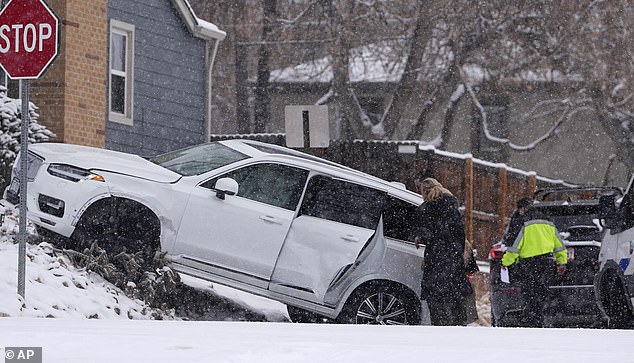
(73,173)
(33,166)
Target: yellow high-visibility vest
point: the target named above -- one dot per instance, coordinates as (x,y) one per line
(537,237)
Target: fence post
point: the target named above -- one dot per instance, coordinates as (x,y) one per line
(532,183)
(502,198)
(468,172)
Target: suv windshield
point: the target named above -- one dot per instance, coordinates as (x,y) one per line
(198,159)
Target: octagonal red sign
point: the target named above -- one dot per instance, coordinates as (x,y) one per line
(29,33)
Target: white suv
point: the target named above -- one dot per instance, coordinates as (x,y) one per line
(326,240)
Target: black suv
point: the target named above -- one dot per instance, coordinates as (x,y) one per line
(571,302)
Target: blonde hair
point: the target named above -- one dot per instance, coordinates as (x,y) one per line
(433,190)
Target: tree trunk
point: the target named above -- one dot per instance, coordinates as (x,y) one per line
(351,121)
(262,113)
(621,136)
(241,70)
(452,79)
(407,84)
(441,96)
(419,127)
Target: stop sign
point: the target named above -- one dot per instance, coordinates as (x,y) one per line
(28,38)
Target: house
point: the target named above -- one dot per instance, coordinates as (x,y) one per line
(131,75)
(578,149)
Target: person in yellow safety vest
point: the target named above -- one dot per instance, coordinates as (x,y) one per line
(533,252)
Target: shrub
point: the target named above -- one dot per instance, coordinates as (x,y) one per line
(10,132)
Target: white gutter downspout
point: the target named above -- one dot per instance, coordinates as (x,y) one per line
(210,58)
(212,36)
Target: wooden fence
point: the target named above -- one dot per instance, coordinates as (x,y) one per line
(487,191)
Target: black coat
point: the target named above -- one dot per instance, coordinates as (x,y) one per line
(513,229)
(442,232)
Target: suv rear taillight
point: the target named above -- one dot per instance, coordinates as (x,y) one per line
(497,252)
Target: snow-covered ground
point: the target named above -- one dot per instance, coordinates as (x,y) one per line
(108,340)
(90,320)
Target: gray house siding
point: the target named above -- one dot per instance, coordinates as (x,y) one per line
(169,81)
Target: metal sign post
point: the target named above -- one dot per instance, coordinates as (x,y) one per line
(29,43)
(24,142)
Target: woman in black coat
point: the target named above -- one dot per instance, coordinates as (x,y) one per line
(445,283)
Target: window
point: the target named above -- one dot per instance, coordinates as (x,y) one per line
(400,219)
(273,184)
(121,71)
(343,202)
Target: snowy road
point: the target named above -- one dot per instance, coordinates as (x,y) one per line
(96,341)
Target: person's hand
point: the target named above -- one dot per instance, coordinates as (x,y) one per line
(561,269)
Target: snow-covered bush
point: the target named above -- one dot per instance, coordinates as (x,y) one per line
(150,281)
(10,131)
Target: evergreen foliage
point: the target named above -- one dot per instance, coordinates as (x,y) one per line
(155,285)
(10,132)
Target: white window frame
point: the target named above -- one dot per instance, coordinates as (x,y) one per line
(127,30)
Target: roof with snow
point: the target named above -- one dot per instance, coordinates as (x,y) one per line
(375,63)
(369,63)
(198,27)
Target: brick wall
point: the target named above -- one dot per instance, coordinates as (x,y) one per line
(72,94)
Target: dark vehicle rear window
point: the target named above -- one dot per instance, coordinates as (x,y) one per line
(589,195)
(575,210)
(578,223)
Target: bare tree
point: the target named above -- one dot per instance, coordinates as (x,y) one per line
(262,99)
(592,42)
(587,43)
(340,12)
(241,67)
(408,83)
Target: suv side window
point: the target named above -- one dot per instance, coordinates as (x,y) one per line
(274,184)
(400,219)
(343,202)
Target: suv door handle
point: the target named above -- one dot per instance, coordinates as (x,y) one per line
(350,238)
(270,219)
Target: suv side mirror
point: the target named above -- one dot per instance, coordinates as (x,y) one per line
(607,210)
(224,187)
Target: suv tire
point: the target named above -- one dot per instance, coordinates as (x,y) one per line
(379,304)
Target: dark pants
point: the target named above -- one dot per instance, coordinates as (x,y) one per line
(447,311)
(536,275)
